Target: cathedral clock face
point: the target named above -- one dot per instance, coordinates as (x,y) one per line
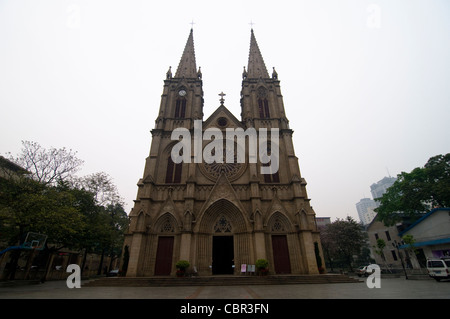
(182,93)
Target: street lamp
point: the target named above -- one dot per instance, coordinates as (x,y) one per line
(396,245)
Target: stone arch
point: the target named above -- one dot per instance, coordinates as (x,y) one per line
(166,224)
(278,223)
(258,220)
(189,218)
(222,219)
(142,221)
(304,219)
(227,209)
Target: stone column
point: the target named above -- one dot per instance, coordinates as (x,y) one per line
(308,252)
(135,249)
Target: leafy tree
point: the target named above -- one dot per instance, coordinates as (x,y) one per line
(379,250)
(342,239)
(414,193)
(78,213)
(102,186)
(27,205)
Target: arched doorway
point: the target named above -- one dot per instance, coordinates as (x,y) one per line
(223,242)
(166,227)
(223,247)
(279,227)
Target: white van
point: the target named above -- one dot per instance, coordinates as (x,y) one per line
(438,268)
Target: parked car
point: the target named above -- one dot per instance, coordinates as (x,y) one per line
(113,273)
(361,271)
(366,270)
(438,268)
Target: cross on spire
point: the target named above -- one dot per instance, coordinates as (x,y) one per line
(251,24)
(192,24)
(221,97)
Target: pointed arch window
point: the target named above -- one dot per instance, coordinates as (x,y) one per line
(263,103)
(263,107)
(273,177)
(173,172)
(180,108)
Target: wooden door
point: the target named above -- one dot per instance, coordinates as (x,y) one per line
(164,252)
(280,250)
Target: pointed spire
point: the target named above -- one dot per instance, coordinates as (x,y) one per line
(187,67)
(256,67)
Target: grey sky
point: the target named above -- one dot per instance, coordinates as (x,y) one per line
(366,84)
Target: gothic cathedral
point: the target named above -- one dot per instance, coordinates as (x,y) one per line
(221,215)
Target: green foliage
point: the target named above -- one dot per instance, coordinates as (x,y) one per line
(182,264)
(46,198)
(415,192)
(261,263)
(342,239)
(409,240)
(28,205)
(381,244)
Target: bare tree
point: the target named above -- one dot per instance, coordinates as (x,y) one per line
(47,166)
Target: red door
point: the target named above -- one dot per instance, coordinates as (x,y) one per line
(280,250)
(164,253)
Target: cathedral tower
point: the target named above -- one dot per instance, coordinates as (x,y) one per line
(223,214)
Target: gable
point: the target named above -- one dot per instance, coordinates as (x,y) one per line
(222,118)
(434,225)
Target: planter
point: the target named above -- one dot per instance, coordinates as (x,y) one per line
(182,265)
(180,273)
(263,271)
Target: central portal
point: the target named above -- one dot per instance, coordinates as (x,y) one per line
(223,255)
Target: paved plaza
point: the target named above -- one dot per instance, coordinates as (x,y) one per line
(391,288)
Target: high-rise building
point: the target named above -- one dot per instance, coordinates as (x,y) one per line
(365,208)
(379,188)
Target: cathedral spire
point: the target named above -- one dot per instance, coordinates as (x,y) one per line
(256,67)
(187,67)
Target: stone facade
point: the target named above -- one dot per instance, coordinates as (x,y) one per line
(219,216)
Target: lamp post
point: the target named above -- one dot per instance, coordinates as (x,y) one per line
(396,245)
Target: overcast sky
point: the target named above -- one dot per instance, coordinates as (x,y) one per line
(366,84)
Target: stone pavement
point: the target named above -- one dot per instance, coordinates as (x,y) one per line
(391,288)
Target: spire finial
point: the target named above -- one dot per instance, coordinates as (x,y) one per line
(192,24)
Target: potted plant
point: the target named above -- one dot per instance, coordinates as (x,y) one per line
(261,265)
(181,267)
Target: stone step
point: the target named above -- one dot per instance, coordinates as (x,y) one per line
(218,281)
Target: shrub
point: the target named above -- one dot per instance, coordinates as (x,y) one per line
(261,263)
(182,264)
